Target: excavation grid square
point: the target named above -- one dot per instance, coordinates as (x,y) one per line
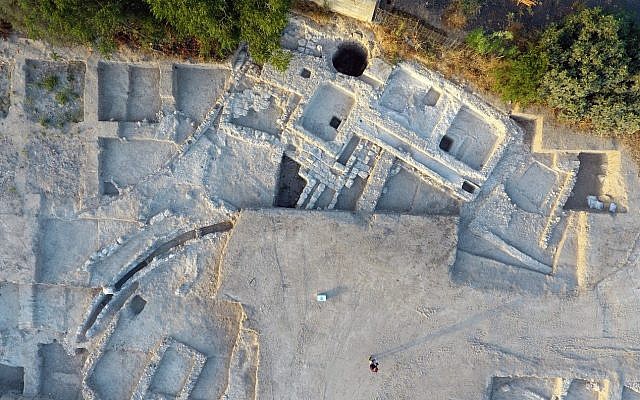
(128,93)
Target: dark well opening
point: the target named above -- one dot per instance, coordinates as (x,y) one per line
(137,304)
(335,122)
(290,184)
(350,59)
(445,143)
(305,73)
(468,187)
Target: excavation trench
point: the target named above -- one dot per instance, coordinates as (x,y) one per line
(110,303)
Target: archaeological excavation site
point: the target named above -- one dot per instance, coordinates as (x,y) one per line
(190,230)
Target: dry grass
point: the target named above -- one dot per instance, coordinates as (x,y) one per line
(528,3)
(459,63)
(632,145)
(454,17)
(318,14)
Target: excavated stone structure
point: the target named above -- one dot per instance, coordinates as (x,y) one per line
(169,230)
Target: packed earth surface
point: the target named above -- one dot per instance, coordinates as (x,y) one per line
(177,230)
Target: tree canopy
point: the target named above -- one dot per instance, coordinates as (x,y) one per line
(217,26)
(593,70)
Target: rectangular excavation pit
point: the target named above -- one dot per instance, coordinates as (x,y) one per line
(407,193)
(172,373)
(471,139)
(325,199)
(54,92)
(329,106)
(413,101)
(196,89)
(60,373)
(524,387)
(125,162)
(469,187)
(6,72)
(290,183)
(348,150)
(10,305)
(598,176)
(11,379)
(418,156)
(348,197)
(128,93)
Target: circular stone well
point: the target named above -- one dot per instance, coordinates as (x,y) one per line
(350,59)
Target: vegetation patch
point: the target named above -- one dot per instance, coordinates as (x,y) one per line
(208,28)
(587,69)
(54,92)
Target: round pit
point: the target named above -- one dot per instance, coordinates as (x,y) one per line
(350,59)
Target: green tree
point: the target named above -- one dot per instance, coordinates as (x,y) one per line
(495,43)
(519,79)
(218,26)
(223,24)
(594,71)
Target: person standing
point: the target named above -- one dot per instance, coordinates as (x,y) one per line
(373,364)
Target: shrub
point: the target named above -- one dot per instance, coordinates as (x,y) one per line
(519,79)
(496,43)
(594,71)
(50,82)
(220,25)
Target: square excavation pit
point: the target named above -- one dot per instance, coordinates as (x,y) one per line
(348,196)
(128,93)
(57,266)
(305,73)
(6,71)
(11,379)
(327,103)
(413,100)
(445,143)
(54,92)
(474,140)
(264,120)
(125,163)
(530,189)
(116,373)
(196,89)
(244,174)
